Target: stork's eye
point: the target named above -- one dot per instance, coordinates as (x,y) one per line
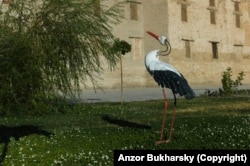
(163,40)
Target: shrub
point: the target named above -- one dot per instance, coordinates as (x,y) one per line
(50,49)
(229,86)
(121,46)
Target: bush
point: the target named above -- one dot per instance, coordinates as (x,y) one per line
(121,46)
(229,86)
(50,49)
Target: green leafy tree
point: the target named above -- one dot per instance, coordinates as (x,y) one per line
(51,47)
(121,46)
(229,86)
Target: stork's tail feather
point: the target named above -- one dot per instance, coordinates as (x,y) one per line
(177,83)
(182,87)
(185,90)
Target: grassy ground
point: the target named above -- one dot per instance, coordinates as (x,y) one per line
(87,134)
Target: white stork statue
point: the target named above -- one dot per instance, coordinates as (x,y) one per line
(167,77)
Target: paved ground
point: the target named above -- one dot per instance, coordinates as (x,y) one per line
(131,94)
(136,94)
(114,95)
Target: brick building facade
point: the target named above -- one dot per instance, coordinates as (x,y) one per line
(207,37)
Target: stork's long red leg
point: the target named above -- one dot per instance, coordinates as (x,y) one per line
(164,116)
(164,119)
(172,124)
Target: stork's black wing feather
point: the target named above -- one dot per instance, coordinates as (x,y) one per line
(169,79)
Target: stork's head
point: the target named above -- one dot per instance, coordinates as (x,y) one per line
(162,39)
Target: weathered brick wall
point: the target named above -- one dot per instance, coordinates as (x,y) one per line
(233,46)
(164,17)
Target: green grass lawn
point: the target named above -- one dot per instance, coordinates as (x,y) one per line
(87,134)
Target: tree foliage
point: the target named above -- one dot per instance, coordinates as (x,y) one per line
(121,46)
(49,47)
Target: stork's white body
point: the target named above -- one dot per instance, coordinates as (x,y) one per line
(167,76)
(153,63)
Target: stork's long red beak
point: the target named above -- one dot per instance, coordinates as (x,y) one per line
(153,35)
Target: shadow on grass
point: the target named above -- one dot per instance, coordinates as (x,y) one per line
(8,133)
(124,123)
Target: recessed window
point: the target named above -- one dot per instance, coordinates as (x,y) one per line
(237,14)
(237,21)
(188,47)
(133,11)
(184,16)
(212,17)
(238,50)
(212,9)
(136,47)
(215,50)
(212,2)
(236,6)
